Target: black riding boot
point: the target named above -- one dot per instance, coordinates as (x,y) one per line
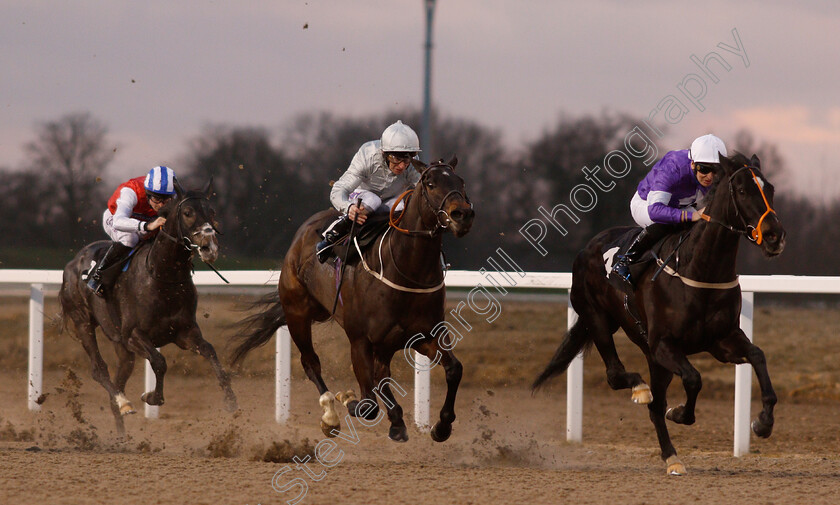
(641,243)
(339,228)
(115,253)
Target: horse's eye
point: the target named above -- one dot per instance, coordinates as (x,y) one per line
(430,185)
(742,191)
(188,212)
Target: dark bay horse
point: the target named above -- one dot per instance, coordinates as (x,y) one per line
(693,309)
(379,314)
(151,304)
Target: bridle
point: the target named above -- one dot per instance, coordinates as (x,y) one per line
(442,217)
(753,233)
(184,240)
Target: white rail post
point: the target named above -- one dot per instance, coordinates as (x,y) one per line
(282,375)
(36,345)
(574,389)
(422,391)
(743,383)
(150,411)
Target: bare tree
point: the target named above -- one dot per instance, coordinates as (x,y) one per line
(73,154)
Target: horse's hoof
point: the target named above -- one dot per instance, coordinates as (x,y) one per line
(398,434)
(675,466)
(330,431)
(345,397)
(761,429)
(151,399)
(678,415)
(441,432)
(231,405)
(641,394)
(127,409)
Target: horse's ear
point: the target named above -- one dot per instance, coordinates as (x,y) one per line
(727,165)
(178,189)
(419,165)
(208,189)
(754,161)
(453,162)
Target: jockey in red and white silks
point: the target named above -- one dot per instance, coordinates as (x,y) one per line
(129,214)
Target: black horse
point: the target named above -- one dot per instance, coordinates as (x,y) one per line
(394,293)
(684,311)
(151,304)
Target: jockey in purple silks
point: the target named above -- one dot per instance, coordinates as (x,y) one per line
(666,197)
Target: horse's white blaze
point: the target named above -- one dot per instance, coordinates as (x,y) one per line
(327,402)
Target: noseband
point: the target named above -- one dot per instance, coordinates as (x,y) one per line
(442,217)
(753,233)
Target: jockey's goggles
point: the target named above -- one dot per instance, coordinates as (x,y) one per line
(398,158)
(704,168)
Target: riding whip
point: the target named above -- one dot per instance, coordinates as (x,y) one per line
(346,252)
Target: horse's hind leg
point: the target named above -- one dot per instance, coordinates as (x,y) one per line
(146,350)
(737,348)
(300,329)
(193,341)
(120,405)
(601,331)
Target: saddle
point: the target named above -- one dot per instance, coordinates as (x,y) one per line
(111,272)
(374,227)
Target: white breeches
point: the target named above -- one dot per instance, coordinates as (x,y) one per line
(126,238)
(372,201)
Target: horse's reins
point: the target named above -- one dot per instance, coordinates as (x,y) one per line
(394,223)
(753,233)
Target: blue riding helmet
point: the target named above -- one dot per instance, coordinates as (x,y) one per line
(160,181)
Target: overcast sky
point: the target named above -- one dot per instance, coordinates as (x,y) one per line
(155,72)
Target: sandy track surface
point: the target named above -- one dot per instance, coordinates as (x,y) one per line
(506,445)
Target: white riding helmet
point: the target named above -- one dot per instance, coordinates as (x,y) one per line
(705,149)
(400,138)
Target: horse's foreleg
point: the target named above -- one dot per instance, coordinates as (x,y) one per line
(397,432)
(146,350)
(361,355)
(660,379)
(675,360)
(453,368)
(193,341)
(125,366)
(737,348)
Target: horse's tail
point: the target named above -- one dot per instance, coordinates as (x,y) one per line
(576,340)
(257,329)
